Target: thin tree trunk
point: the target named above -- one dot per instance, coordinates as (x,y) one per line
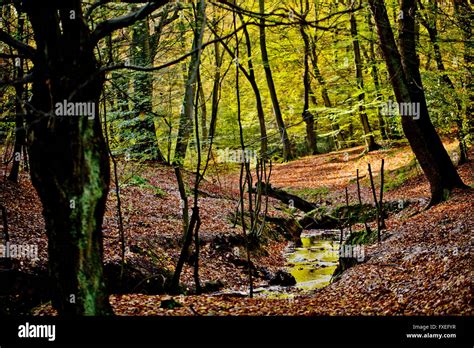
(187,110)
(250,76)
(369,137)
(20,131)
(324,91)
(465,17)
(202,105)
(287,151)
(376,202)
(307,115)
(216,91)
(367,229)
(375,77)
(253,82)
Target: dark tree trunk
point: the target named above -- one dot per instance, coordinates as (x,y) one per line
(338,139)
(250,76)
(287,152)
(465,17)
(375,77)
(68,158)
(202,106)
(287,198)
(308,117)
(216,91)
(143,125)
(187,111)
(20,132)
(403,67)
(258,98)
(431,27)
(364,120)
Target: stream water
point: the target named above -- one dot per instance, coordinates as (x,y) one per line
(312,264)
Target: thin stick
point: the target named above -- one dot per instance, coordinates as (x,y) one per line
(376,202)
(5,224)
(382,221)
(358,188)
(349,216)
(117,193)
(367,229)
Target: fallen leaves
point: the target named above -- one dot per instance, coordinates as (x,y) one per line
(423,267)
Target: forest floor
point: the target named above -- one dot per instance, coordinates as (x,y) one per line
(422,266)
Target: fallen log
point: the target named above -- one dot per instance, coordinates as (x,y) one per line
(288,198)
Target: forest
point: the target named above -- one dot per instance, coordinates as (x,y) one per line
(236,158)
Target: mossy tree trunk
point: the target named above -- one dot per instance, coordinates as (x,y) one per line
(144,131)
(68,154)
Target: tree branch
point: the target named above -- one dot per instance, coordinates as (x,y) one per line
(21,47)
(106,27)
(99,3)
(173,62)
(26,79)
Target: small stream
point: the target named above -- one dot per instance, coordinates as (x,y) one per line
(312,264)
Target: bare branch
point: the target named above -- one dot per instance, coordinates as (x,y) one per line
(99,3)
(21,47)
(173,62)
(26,79)
(106,27)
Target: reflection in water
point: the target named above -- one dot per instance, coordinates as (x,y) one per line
(313,264)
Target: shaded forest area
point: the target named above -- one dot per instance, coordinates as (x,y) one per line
(304,157)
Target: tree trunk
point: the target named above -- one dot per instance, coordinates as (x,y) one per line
(143,126)
(465,17)
(307,115)
(68,154)
(403,67)
(338,139)
(287,152)
(216,91)
(369,137)
(432,29)
(202,106)
(20,132)
(250,76)
(258,98)
(187,110)
(375,77)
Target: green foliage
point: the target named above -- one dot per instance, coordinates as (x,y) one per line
(311,194)
(143,183)
(170,304)
(396,178)
(361,237)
